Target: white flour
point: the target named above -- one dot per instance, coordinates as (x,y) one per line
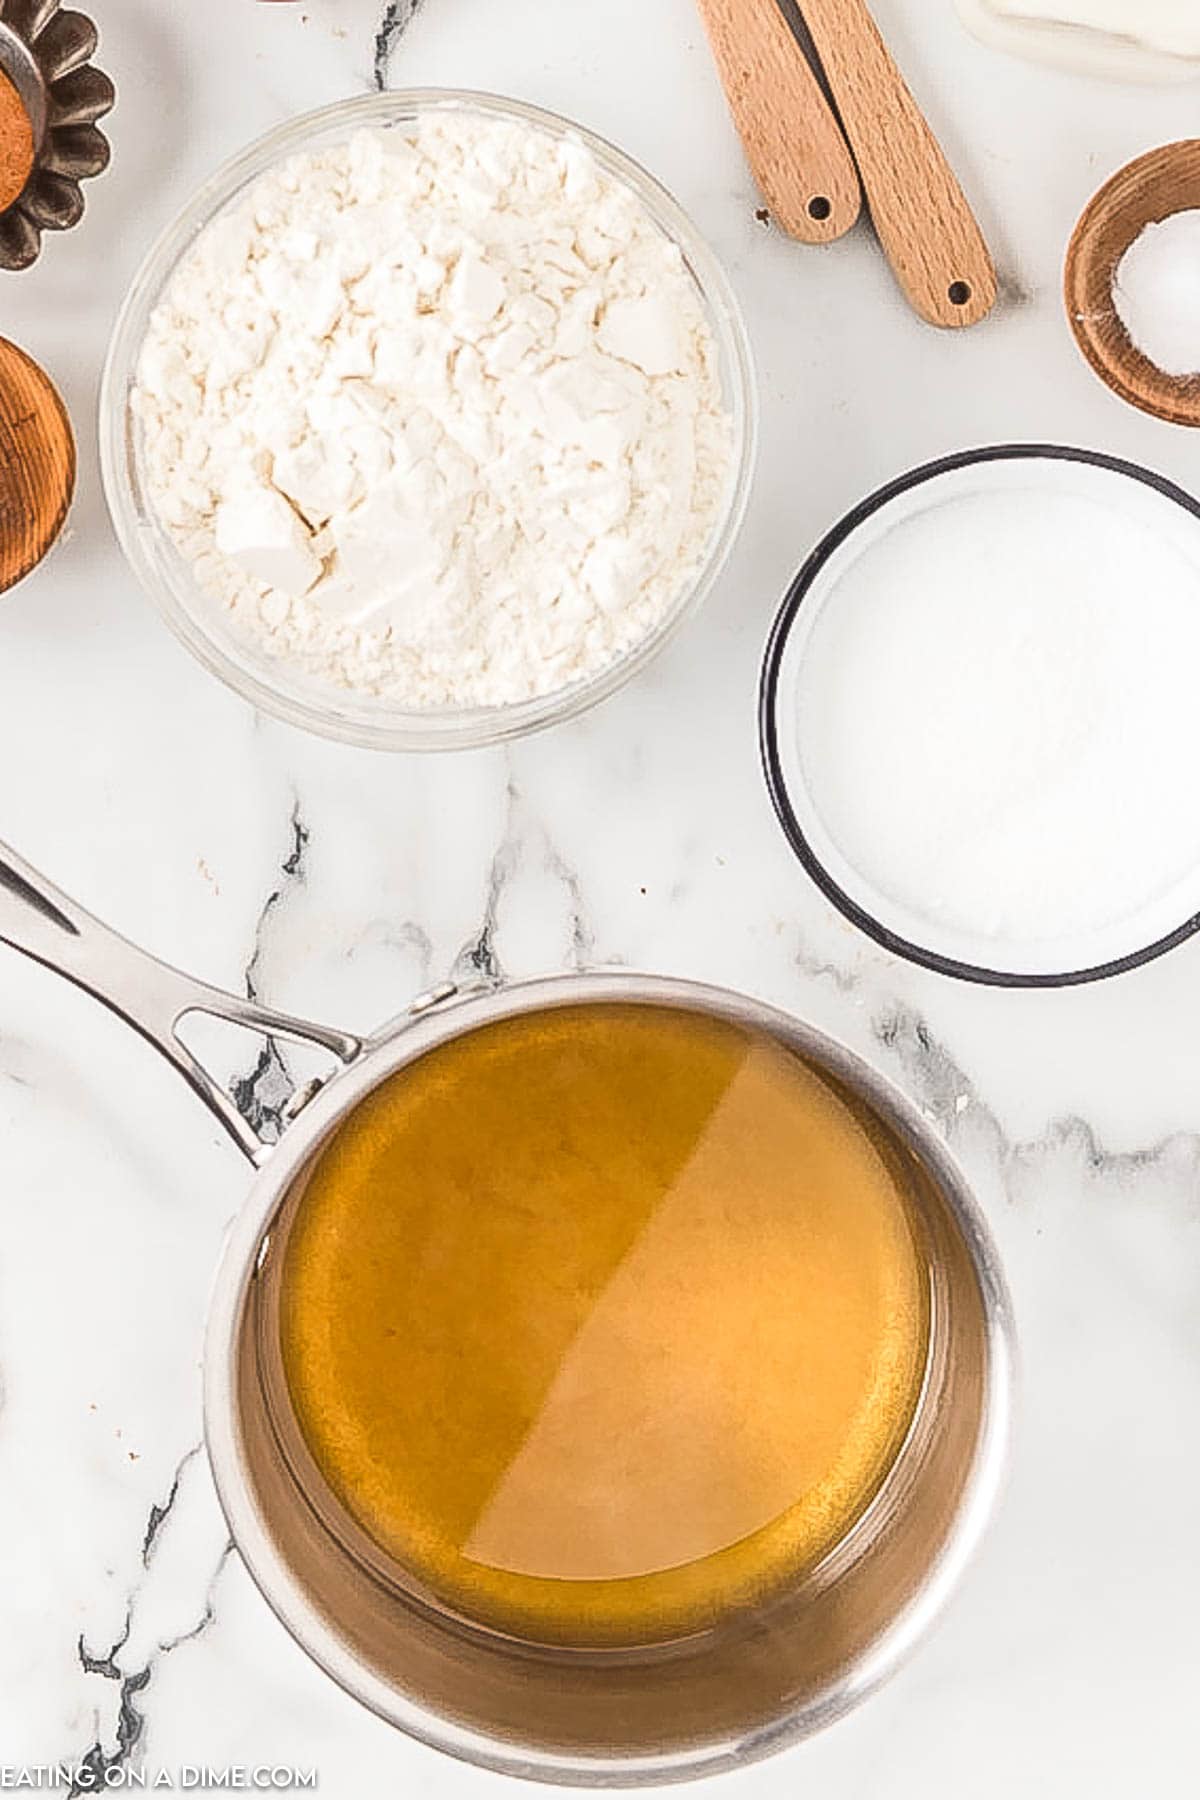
(437,417)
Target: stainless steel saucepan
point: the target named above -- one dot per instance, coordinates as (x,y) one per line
(715,1700)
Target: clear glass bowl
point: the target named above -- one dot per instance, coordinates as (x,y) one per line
(269,683)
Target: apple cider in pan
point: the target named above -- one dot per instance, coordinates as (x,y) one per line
(603,1321)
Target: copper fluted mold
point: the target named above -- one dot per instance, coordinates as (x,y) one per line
(46,51)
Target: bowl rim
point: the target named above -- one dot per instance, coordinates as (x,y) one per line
(360,721)
(853,910)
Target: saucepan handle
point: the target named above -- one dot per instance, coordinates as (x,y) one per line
(41,922)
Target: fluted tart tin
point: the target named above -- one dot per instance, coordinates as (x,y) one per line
(46,52)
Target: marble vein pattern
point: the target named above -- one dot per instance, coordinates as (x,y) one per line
(262,1095)
(398,15)
(336,884)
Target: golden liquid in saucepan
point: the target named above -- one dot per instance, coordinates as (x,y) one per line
(604,1321)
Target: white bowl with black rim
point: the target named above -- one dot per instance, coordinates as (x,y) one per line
(1128,876)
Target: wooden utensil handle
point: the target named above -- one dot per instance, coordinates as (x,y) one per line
(794,145)
(925,224)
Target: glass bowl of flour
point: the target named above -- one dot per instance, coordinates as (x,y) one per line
(429,421)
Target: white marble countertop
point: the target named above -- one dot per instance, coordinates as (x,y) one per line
(338,882)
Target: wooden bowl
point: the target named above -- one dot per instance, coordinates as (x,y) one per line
(37,464)
(1162,182)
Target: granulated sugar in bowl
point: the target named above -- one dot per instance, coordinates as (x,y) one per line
(429,421)
(1156,291)
(979,716)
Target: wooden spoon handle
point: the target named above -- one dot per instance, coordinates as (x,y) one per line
(794,145)
(925,225)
